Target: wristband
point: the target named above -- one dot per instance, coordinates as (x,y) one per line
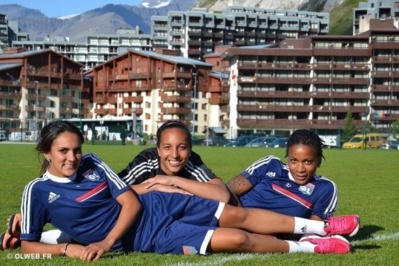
(65,249)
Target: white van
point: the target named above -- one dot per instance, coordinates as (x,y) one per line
(31,135)
(16,136)
(24,136)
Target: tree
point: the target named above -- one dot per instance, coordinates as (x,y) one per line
(349,127)
(395,128)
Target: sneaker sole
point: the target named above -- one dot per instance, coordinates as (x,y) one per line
(334,236)
(354,232)
(345,240)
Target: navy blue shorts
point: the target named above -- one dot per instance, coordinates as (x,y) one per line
(176,223)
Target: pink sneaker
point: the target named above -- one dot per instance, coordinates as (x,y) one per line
(342,225)
(330,244)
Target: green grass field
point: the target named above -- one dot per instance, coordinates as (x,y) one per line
(367,182)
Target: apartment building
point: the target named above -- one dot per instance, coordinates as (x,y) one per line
(313,83)
(3,32)
(96,50)
(373,9)
(153,86)
(38,86)
(9,32)
(197,32)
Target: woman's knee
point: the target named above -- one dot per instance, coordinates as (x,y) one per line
(239,240)
(232,216)
(225,240)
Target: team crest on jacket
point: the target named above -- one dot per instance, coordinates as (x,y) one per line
(306,189)
(91,175)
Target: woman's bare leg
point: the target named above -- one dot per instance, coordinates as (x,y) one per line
(256,220)
(267,222)
(236,240)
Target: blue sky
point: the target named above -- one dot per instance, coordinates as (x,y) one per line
(58,8)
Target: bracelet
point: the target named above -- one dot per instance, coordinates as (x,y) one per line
(65,249)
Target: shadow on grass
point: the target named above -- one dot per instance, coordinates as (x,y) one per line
(366,233)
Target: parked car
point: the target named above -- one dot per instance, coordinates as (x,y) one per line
(240,141)
(280,142)
(390,145)
(215,141)
(260,142)
(196,141)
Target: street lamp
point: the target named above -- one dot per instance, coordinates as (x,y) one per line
(134,119)
(37,103)
(101,123)
(193,103)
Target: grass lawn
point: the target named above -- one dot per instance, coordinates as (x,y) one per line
(366,179)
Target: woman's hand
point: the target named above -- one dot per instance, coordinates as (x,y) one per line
(164,183)
(159,179)
(94,251)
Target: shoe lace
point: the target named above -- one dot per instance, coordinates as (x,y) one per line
(339,225)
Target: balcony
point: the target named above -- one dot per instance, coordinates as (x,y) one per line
(338,109)
(339,95)
(112,100)
(31,108)
(273,108)
(129,111)
(64,110)
(66,98)
(132,76)
(385,88)
(175,99)
(274,123)
(292,123)
(277,80)
(135,99)
(273,94)
(39,97)
(104,111)
(10,95)
(385,102)
(174,110)
(344,81)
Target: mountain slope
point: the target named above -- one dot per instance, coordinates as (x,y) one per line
(109,18)
(103,20)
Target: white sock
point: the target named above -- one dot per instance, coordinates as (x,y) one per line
(54,237)
(306,226)
(296,246)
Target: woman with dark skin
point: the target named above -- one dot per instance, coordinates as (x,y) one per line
(173,167)
(293,188)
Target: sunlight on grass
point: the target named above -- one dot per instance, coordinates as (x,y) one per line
(366,180)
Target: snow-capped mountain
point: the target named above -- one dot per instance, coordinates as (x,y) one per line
(109,18)
(155,3)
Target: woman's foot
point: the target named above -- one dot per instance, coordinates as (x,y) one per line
(8,241)
(14,225)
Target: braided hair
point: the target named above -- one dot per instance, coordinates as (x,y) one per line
(306,137)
